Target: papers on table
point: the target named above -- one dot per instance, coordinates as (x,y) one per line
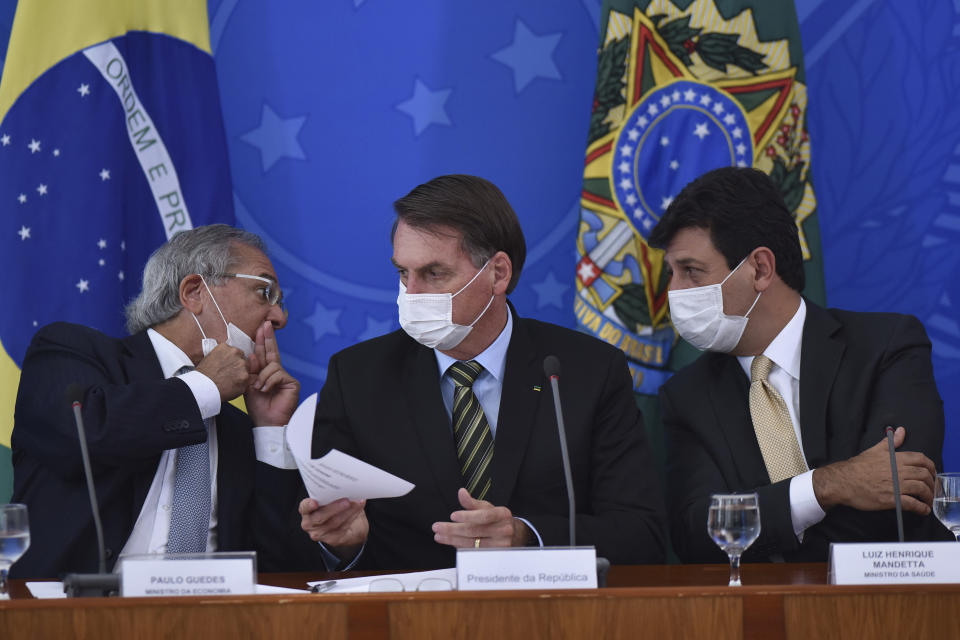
(44,590)
(410,581)
(336,475)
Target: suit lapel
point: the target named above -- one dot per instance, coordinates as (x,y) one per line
(141,363)
(518,410)
(420,382)
(731,406)
(821,353)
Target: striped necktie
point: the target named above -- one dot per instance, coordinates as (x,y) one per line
(190,514)
(471,430)
(771,422)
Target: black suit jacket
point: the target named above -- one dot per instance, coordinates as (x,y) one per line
(858,373)
(382,403)
(131,415)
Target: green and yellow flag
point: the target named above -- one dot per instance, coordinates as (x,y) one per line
(683,87)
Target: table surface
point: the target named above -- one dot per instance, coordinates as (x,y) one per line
(707,576)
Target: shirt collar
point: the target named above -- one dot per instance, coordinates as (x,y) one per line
(493,359)
(171,357)
(784,350)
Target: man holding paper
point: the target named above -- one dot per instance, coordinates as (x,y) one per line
(176,468)
(457,403)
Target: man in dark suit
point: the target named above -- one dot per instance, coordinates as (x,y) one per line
(792,399)
(457,403)
(153,400)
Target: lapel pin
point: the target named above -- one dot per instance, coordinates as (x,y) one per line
(537,387)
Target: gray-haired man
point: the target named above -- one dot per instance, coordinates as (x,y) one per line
(176,468)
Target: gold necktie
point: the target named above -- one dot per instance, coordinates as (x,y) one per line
(471,430)
(772,424)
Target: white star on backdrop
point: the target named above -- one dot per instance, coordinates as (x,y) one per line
(653,110)
(42,189)
(22,198)
(626,184)
(101,262)
(665,202)
(5,140)
(741,149)
(675,95)
(120,275)
(631,200)
(689,95)
(665,101)
(718,108)
(705,100)
(83,90)
(102,243)
(729,119)
(664,141)
(56,153)
(24,232)
(104,174)
(624,167)
(83,285)
(34,145)
(737,133)
(701,131)
(674,165)
(626,151)
(633,134)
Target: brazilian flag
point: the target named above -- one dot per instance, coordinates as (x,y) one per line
(111,141)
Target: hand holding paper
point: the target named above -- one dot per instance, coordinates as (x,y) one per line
(338,485)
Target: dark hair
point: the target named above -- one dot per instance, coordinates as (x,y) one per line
(475,208)
(743,209)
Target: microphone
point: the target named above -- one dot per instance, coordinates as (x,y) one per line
(896,480)
(551,368)
(92,584)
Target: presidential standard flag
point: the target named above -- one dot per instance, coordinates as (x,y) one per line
(111,141)
(681,91)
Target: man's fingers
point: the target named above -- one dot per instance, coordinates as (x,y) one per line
(917,489)
(308,506)
(486,515)
(271,350)
(909,503)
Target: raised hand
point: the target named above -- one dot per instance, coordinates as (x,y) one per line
(272,394)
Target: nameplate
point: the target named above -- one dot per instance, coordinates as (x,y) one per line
(187,576)
(895,563)
(527,568)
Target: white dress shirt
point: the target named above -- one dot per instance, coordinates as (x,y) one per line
(785,352)
(152,528)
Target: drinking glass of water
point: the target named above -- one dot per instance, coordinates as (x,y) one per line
(946,501)
(734,523)
(14,540)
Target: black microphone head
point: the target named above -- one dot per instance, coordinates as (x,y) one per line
(551,366)
(75,393)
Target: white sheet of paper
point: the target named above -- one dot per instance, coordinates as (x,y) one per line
(44,590)
(336,475)
(410,581)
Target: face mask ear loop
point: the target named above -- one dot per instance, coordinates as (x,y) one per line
(475,276)
(735,270)
(198,326)
(747,314)
(218,306)
(477,319)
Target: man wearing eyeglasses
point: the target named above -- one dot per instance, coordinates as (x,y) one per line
(176,468)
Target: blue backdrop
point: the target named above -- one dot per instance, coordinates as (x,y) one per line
(332,110)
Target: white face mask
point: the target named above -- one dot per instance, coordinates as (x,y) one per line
(428,317)
(235,335)
(698,316)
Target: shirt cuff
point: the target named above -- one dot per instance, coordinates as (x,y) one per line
(805,511)
(271,447)
(332,561)
(532,528)
(205,392)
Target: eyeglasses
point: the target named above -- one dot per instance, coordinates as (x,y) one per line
(271,293)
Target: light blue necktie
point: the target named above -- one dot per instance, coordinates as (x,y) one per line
(190,515)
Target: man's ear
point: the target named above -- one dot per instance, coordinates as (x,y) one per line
(765,267)
(502,272)
(191,293)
